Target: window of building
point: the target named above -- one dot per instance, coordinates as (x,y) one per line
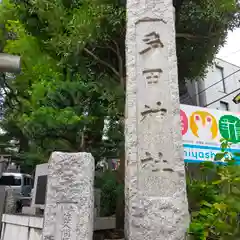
(224,106)
(220,76)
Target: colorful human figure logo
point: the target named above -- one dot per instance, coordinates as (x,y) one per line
(204,125)
(184,122)
(229,127)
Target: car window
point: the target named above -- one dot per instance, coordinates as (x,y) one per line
(32,182)
(10,180)
(27,181)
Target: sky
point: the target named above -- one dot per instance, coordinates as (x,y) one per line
(231,51)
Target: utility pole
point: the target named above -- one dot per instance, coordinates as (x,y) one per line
(155,185)
(12,64)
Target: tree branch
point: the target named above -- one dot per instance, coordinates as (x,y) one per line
(56,136)
(120,64)
(120,61)
(102,62)
(107,47)
(191,36)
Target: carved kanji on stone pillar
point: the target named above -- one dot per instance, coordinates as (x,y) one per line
(156,203)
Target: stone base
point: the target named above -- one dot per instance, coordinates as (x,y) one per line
(104,223)
(29,210)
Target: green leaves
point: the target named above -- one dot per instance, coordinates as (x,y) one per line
(203,21)
(61,101)
(216,201)
(220,156)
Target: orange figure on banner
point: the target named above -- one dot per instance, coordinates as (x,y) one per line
(204,125)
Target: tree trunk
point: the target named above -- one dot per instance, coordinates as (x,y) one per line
(120,206)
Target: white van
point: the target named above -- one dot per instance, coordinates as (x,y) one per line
(22,184)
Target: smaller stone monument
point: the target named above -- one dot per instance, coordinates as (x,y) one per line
(69,203)
(10,201)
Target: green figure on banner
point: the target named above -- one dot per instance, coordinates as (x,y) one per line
(229,127)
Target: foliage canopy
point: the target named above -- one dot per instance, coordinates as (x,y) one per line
(73,73)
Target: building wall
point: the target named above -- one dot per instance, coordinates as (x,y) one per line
(219,90)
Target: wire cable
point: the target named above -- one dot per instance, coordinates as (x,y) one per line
(216,83)
(222,97)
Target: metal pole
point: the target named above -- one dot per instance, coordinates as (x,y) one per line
(10,63)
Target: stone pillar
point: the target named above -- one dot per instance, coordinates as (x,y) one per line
(155,191)
(10,201)
(2,204)
(69,202)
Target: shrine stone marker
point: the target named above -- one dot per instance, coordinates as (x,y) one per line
(69,202)
(155,191)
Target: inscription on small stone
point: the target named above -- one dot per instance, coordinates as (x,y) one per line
(69,209)
(66,214)
(48,238)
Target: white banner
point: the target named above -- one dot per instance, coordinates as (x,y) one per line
(202,129)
